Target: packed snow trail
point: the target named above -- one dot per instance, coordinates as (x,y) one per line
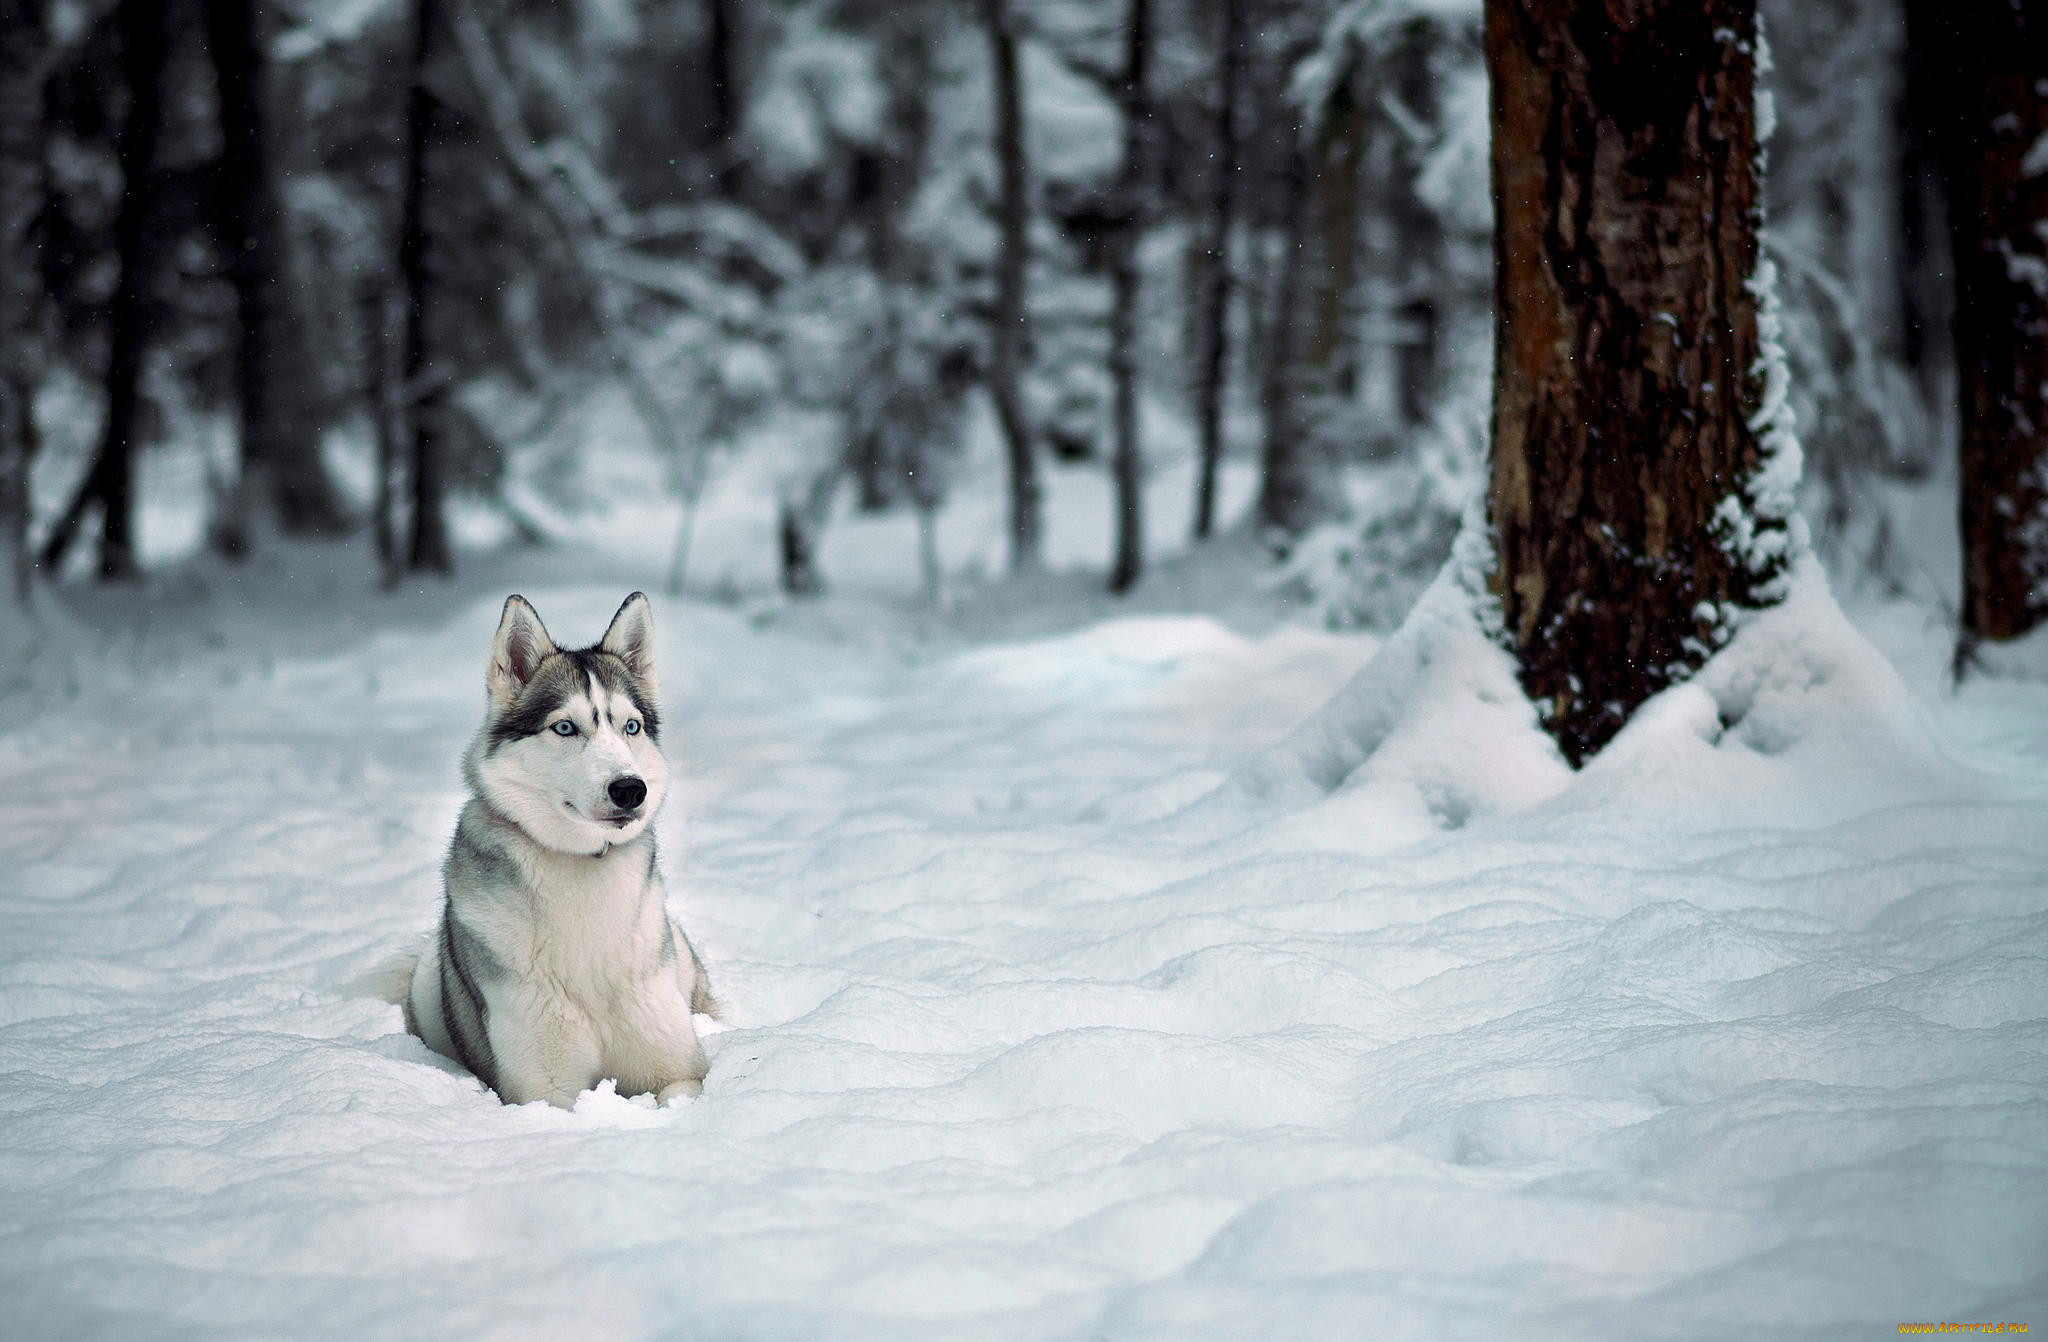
(1024,1042)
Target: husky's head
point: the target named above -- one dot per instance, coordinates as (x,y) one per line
(569,748)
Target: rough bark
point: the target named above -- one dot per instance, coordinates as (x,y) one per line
(1009,338)
(280,443)
(1127,466)
(24,64)
(424,393)
(109,481)
(1213,288)
(1626,191)
(1995,57)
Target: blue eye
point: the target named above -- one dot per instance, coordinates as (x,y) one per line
(565,728)
(632,726)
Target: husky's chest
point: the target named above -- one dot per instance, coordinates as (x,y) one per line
(588,933)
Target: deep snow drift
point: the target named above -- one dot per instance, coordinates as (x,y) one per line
(1064,1002)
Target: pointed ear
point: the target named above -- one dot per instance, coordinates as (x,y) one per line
(631,636)
(522,644)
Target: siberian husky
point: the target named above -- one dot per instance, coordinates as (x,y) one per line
(556,964)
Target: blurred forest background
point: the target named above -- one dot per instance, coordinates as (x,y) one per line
(364,265)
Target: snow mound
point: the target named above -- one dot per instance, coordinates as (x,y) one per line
(1797,718)
(1434,732)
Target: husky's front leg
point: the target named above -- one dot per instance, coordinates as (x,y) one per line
(656,1050)
(677,1063)
(543,1055)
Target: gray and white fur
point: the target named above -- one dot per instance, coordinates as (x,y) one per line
(556,964)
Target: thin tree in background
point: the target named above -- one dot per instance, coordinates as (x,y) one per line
(1418,235)
(1010,337)
(280,444)
(109,481)
(1329,363)
(1213,287)
(1993,140)
(423,393)
(381,405)
(1127,466)
(1628,403)
(1298,484)
(24,63)
(1926,299)
(721,59)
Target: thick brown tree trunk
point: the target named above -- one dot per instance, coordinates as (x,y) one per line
(1126,463)
(24,64)
(1213,288)
(424,393)
(1995,147)
(1010,338)
(1625,463)
(109,481)
(280,443)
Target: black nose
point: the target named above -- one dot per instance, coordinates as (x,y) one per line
(627,793)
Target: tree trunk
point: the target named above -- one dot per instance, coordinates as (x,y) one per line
(1996,149)
(424,393)
(109,481)
(1010,337)
(1127,466)
(24,64)
(721,57)
(1926,299)
(1339,172)
(381,406)
(1213,287)
(802,522)
(1626,501)
(1298,484)
(1417,260)
(280,443)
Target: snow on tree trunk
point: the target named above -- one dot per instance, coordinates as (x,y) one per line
(1995,59)
(1642,463)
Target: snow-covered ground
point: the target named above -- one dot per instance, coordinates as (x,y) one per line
(1063,1003)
